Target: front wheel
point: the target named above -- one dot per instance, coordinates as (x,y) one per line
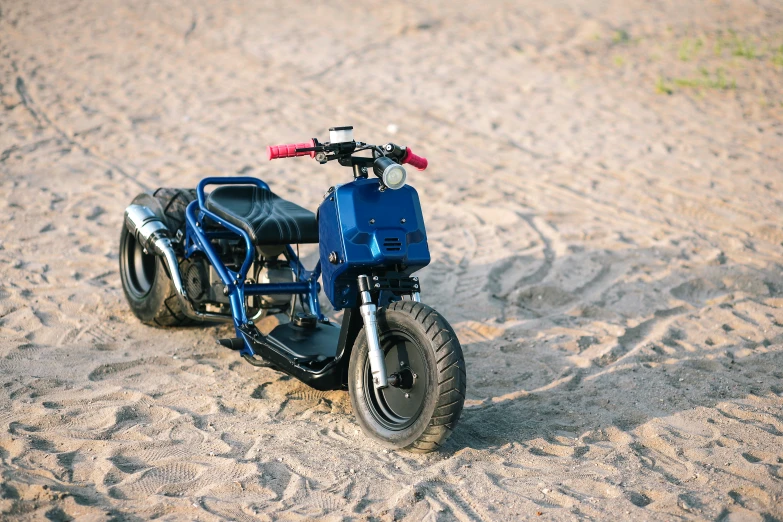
(422,349)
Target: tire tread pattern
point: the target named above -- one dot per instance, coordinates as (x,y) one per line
(451,379)
(173,202)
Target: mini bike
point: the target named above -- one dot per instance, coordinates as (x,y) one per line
(187,256)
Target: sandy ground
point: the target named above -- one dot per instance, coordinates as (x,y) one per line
(604,213)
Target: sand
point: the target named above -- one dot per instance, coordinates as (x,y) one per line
(604,213)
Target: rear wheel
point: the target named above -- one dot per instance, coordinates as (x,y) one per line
(420,347)
(145,281)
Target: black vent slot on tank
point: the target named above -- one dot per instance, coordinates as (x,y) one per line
(392,244)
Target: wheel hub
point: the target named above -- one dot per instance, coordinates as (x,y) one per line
(399,405)
(402,379)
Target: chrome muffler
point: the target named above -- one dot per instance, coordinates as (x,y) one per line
(155,238)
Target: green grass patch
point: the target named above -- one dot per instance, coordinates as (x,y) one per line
(777,56)
(621,37)
(707,80)
(689,48)
(661,87)
(737,45)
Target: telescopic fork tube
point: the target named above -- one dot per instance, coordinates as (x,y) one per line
(375,353)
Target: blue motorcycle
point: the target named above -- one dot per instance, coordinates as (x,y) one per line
(188,257)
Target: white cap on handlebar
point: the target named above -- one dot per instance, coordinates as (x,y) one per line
(341,134)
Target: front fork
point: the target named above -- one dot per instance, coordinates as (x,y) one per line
(375,353)
(377,358)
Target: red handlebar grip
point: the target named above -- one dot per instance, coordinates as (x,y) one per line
(417,161)
(289,150)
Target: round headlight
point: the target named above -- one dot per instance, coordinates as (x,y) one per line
(392,174)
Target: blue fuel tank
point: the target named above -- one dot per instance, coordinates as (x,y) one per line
(363,229)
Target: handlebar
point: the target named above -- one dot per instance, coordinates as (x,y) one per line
(343,151)
(289,150)
(419,162)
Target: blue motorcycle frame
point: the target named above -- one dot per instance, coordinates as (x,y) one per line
(198,240)
(364,228)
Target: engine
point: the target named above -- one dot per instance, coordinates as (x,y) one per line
(274,271)
(205,288)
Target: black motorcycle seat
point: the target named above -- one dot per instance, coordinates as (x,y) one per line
(268,218)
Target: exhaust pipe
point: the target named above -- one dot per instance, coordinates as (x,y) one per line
(155,238)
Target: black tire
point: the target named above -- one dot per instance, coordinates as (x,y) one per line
(145,281)
(415,334)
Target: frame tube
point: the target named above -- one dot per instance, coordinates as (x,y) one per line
(198,240)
